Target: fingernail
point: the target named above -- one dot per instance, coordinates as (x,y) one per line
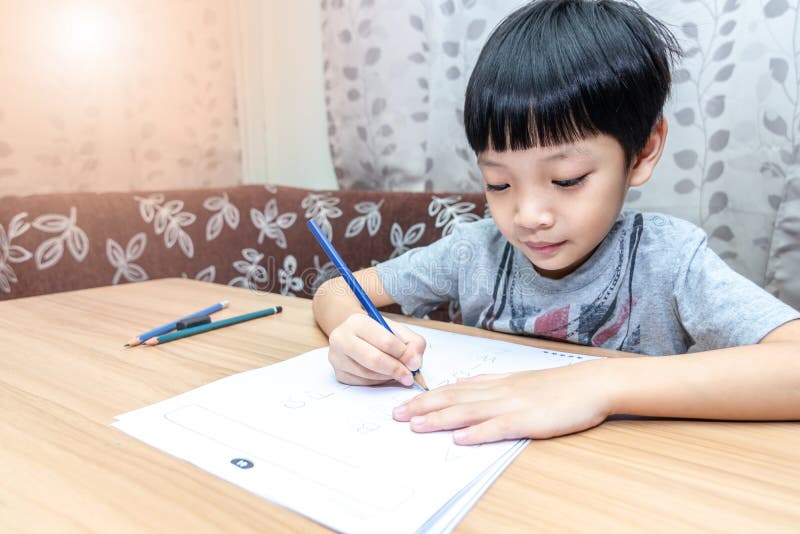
(459,435)
(400,411)
(418,420)
(407,380)
(414,363)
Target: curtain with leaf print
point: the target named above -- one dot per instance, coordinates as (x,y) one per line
(396,74)
(395,78)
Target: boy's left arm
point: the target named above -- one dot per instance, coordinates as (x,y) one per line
(754,382)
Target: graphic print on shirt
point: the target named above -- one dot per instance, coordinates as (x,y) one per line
(595,323)
(496,308)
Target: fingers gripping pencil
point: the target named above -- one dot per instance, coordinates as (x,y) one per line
(362,296)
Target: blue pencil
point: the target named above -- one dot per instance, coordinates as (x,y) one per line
(186,332)
(362,297)
(163,329)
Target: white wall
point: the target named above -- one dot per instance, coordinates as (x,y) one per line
(278,44)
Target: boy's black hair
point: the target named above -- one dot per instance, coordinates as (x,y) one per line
(557,71)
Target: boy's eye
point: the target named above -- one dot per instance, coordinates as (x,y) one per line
(496,187)
(572,182)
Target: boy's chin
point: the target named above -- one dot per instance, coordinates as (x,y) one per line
(553,270)
(556,268)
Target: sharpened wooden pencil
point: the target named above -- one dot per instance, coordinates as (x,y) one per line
(186,332)
(421,381)
(163,329)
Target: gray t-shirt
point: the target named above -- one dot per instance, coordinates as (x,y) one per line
(653,286)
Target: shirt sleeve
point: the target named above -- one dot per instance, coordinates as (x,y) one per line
(422,278)
(720,308)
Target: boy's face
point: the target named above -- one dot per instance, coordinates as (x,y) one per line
(556,204)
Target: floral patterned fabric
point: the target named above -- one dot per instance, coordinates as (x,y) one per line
(247,236)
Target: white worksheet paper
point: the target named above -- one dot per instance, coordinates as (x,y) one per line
(292,434)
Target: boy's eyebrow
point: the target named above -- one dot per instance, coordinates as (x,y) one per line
(488,163)
(561,154)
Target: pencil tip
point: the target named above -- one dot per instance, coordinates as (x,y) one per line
(419,380)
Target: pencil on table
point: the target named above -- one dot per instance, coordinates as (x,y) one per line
(186,332)
(163,329)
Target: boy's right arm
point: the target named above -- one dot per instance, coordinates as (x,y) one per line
(362,352)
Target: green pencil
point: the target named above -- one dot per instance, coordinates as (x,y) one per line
(172,336)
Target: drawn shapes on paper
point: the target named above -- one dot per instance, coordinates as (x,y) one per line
(300,400)
(363,424)
(479,364)
(319,395)
(367,427)
(294,403)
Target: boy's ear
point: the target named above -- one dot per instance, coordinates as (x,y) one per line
(642,167)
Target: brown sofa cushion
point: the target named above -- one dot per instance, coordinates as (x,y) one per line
(252,236)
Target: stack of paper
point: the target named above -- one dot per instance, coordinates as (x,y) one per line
(292,434)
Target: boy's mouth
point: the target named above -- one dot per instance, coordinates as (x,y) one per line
(543,247)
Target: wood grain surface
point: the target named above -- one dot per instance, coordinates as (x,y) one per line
(64,375)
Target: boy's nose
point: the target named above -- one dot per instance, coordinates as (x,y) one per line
(533,215)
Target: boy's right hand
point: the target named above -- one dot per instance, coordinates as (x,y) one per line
(364,353)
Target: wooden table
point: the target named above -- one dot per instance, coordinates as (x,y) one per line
(64,375)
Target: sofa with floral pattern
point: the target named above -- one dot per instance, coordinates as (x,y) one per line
(250,236)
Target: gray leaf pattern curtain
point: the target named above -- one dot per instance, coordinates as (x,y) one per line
(395,74)
(395,78)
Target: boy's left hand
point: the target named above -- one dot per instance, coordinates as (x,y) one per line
(529,404)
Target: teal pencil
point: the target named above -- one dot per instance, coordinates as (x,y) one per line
(172,336)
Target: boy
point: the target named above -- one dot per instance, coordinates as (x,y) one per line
(563,110)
